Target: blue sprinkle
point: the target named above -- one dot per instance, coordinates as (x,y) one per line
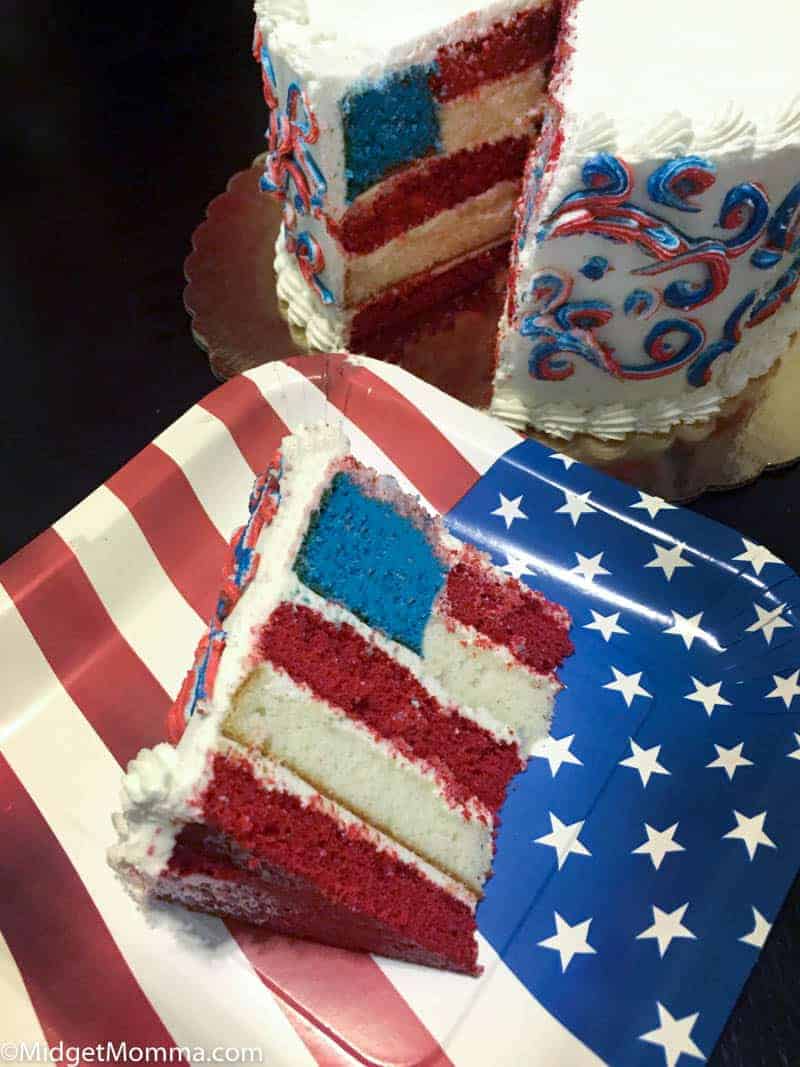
(387,124)
(360,553)
(595,268)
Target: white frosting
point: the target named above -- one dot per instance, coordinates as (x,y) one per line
(647,101)
(338,42)
(161,787)
(325,327)
(704,57)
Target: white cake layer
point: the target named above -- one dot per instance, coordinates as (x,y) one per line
(326,328)
(489,676)
(345,761)
(476,223)
(475,710)
(722,86)
(275,776)
(494,111)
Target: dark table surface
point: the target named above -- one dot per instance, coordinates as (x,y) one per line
(121,122)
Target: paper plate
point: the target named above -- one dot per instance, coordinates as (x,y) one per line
(642,855)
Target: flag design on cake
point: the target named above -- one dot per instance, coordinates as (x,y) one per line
(366,691)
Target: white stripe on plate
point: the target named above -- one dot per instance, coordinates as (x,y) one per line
(150,613)
(490,1020)
(221,478)
(480,438)
(20,1022)
(298,401)
(188,966)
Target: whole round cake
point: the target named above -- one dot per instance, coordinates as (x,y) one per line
(636,187)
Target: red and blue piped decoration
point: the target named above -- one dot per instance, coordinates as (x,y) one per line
(603,209)
(291,174)
(240,569)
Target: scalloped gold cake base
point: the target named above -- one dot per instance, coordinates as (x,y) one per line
(239,321)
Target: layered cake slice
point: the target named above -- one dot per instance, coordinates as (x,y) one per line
(343,743)
(396,144)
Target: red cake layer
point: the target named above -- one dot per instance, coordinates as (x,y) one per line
(340,666)
(295,869)
(376,324)
(509,47)
(530,626)
(449,345)
(541,164)
(421,192)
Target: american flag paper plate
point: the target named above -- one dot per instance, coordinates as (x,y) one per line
(641,858)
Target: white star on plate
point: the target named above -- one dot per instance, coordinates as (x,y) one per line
(608,625)
(730,759)
(768,621)
(751,832)
(556,751)
(669,560)
(796,753)
(509,510)
(575,505)
(708,696)
(645,761)
(517,566)
(757,555)
(569,941)
(667,925)
(566,460)
(563,837)
(589,567)
(658,844)
(687,628)
(674,1036)
(628,685)
(652,504)
(758,935)
(786,689)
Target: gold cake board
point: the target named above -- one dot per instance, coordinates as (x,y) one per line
(239,322)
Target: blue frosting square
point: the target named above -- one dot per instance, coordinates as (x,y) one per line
(388,123)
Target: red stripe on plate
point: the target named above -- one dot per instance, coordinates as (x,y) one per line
(95,664)
(252,423)
(398,428)
(126,705)
(187,544)
(326,1052)
(345,994)
(82,990)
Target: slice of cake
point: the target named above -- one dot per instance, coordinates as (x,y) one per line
(367,690)
(396,144)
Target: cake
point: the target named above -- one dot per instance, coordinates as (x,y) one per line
(344,741)
(655,243)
